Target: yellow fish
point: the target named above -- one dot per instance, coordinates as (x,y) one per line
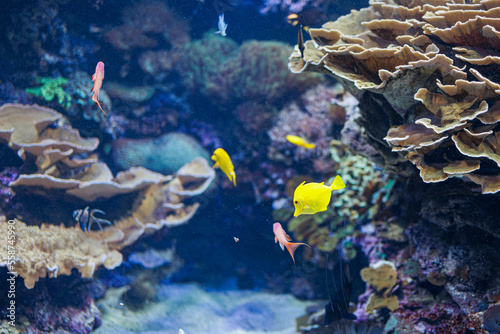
(314,197)
(299,141)
(223,161)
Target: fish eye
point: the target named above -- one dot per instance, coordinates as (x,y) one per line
(296,202)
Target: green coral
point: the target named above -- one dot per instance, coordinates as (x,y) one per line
(51,88)
(202,59)
(256,71)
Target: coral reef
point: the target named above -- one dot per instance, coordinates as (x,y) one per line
(55,250)
(382,277)
(51,151)
(312,120)
(199,63)
(165,154)
(64,305)
(256,71)
(418,103)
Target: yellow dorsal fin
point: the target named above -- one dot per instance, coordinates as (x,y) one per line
(338,183)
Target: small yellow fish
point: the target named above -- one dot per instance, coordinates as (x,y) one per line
(223,161)
(299,141)
(314,197)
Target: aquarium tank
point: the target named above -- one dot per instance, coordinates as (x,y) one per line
(250,167)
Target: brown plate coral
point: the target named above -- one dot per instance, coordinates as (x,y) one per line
(426,75)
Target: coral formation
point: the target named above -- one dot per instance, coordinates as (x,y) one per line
(199,63)
(256,71)
(52,87)
(56,250)
(382,277)
(165,154)
(312,120)
(418,103)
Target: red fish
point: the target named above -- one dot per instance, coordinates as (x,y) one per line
(284,240)
(98,77)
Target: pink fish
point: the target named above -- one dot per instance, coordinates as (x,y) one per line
(284,240)
(98,77)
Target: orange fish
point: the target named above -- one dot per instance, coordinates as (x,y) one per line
(284,240)
(98,77)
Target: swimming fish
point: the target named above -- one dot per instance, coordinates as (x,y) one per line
(284,240)
(98,77)
(223,161)
(85,217)
(222,26)
(314,197)
(299,141)
(236,239)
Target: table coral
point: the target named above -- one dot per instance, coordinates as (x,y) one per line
(55,250)
(425,78)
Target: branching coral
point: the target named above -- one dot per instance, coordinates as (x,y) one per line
(405,63)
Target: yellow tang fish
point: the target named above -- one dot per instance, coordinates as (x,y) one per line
(299,141)
(314,197)
(223,161)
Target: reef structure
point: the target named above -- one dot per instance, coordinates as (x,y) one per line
(53,169)
(426,76)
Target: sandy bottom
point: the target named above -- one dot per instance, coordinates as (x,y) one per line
(198,311)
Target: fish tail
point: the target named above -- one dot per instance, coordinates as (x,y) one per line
(292,247)
(310,146)
(337,184)
(99,104)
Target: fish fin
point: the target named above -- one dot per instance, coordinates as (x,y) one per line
(275,239)
(216,165)
(288,237)
(282,246)
(99,104)
(292,247)
(233,174)
(310,146)
(93,77)
(337,184)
